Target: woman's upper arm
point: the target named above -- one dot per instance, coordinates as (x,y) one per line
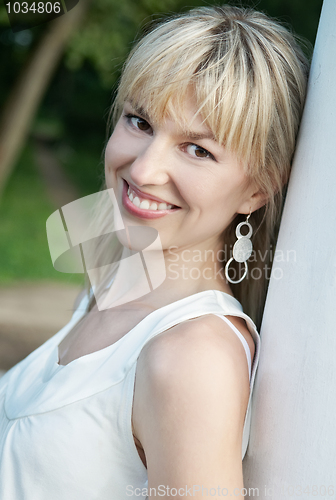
(192,392)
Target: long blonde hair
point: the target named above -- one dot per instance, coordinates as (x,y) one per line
(249,77)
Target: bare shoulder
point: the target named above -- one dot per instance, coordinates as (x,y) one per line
(190,400)
(201,345)
(203,354)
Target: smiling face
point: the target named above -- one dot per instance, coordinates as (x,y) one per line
(179,179)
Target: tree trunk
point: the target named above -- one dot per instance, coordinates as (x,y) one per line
(31,86)
(291,452)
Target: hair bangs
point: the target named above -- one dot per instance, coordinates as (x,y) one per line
(232,98)
(247,77)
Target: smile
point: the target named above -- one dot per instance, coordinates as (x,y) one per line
(143,207)
(144,203)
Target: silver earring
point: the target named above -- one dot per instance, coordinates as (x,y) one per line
(242,249)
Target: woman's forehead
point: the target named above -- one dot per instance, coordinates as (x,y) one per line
(218,114)
(186,115)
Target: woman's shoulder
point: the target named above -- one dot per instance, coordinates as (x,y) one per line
(204,345)
(195,369)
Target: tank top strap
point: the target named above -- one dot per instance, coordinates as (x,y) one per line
(203,303)
(242,339)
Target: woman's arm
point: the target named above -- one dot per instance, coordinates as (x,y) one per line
(191,395)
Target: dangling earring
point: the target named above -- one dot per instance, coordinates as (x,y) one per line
(242,249)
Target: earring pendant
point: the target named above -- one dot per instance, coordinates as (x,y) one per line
(242,250)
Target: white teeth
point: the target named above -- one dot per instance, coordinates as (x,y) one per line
(144,204)
(136,202)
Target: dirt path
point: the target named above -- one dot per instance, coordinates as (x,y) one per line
(29,315)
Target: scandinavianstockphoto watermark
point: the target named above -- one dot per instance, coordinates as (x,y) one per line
(78,244)
(285,490)
(189,491)
(208,264)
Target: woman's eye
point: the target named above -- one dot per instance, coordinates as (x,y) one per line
(196,150)
(138,122)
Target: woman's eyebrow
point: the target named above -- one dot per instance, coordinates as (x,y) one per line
(140,110)
(196,136)
(190,134)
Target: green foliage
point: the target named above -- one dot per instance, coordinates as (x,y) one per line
(108,32)
(301,15)
(83,166)
(74,112)
(111,26)
(24,210)
(78,101)
(104,38)
(3,16)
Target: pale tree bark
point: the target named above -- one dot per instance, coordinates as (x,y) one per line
(292,453)
(27,93)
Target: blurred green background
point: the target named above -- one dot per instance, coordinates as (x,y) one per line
(58,157)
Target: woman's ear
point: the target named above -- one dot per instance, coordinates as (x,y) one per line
(257,200)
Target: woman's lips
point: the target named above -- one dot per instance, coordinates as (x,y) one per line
(142,212)
(146,196)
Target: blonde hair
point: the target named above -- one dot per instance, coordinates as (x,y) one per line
(249,78)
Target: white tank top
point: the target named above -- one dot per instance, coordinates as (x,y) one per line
(66,432)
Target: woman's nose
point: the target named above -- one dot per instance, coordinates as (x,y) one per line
(151,165)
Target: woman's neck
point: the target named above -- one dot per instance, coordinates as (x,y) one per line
(155,278)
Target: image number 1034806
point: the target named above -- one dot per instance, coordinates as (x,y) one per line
(27,14)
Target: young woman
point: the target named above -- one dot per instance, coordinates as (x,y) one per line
(150,394)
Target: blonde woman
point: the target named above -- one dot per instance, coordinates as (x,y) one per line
(151,396)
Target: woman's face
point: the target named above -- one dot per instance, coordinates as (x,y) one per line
(202,184)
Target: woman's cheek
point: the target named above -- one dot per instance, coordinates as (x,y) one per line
(112,160)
